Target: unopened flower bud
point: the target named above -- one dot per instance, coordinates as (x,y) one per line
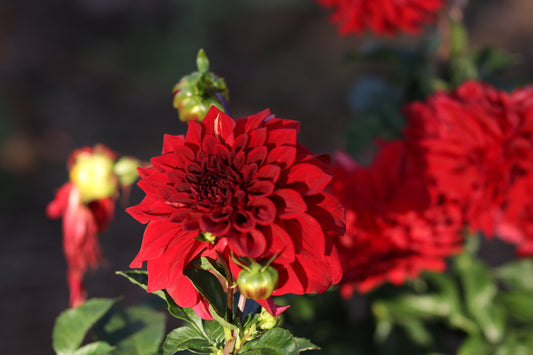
(195,93)
(126,170)
(266,320)
(92,173)
(257,281)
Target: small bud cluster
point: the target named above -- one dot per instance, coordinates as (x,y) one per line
(195,93)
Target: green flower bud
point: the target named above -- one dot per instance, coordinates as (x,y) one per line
(126,170)
(92,173)
(266,320)
(257,281)
(195,93)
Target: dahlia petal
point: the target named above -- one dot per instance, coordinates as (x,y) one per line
(194,132)
(55,208)
(250,245)
(183,155)
(307,178)
(283,156)
(261,188)
(271,307)
(328,211)
(183,292)
(282,137)
(269,172)
(255,120)
(222,151)
(221,213)
(219,124)
(263,210)
(240,142)
(289,203)
(306,231)
(170,142)
(149,209)
(281,244)
(157,235)
(256,156)
(102,211)
(257,137)
(202,309)
(209,145)
(243,221)
(216,228)
(249,172)
(157,274)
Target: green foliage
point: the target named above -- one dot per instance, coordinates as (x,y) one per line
(72,326)
(190,338)
(208,285)
(133,331)
(275,341)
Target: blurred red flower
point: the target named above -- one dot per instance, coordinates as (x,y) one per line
(382,16)
(246,187)
(476,144)
(394,230)
(82,221)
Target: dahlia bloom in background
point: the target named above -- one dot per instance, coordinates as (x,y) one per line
(86,206)
(243,188)
(394,229)
(383,17)
(477,146)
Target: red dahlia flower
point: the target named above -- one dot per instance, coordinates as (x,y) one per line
(82,220)
(477,146)
(382,16)
(253,191)
(394,230)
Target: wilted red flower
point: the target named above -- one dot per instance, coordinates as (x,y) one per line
(382,16)
(394,230)
(82,221)
(246,187)
(477,145)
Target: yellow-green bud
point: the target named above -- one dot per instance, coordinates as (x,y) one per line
(257,281)
(195,93)
(266,320)
(126,170)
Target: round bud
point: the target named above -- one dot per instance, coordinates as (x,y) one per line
(257,282)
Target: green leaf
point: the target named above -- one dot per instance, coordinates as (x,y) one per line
(491,61)
(215,332)
(210,264)
(458,38)
(186,338)
(519,305)
(512,346)
(96,348)
(517,274)
(474,345)
(480,290)
(139,278)
(72,325)
(208,285)
(222,320)
(304,344)
(134,331)
(276,341)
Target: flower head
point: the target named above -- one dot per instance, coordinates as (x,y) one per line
(254,190)
(382,16)
(476,144)
(394,230)
(83,217)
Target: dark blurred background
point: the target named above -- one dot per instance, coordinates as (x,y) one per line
(79,72)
